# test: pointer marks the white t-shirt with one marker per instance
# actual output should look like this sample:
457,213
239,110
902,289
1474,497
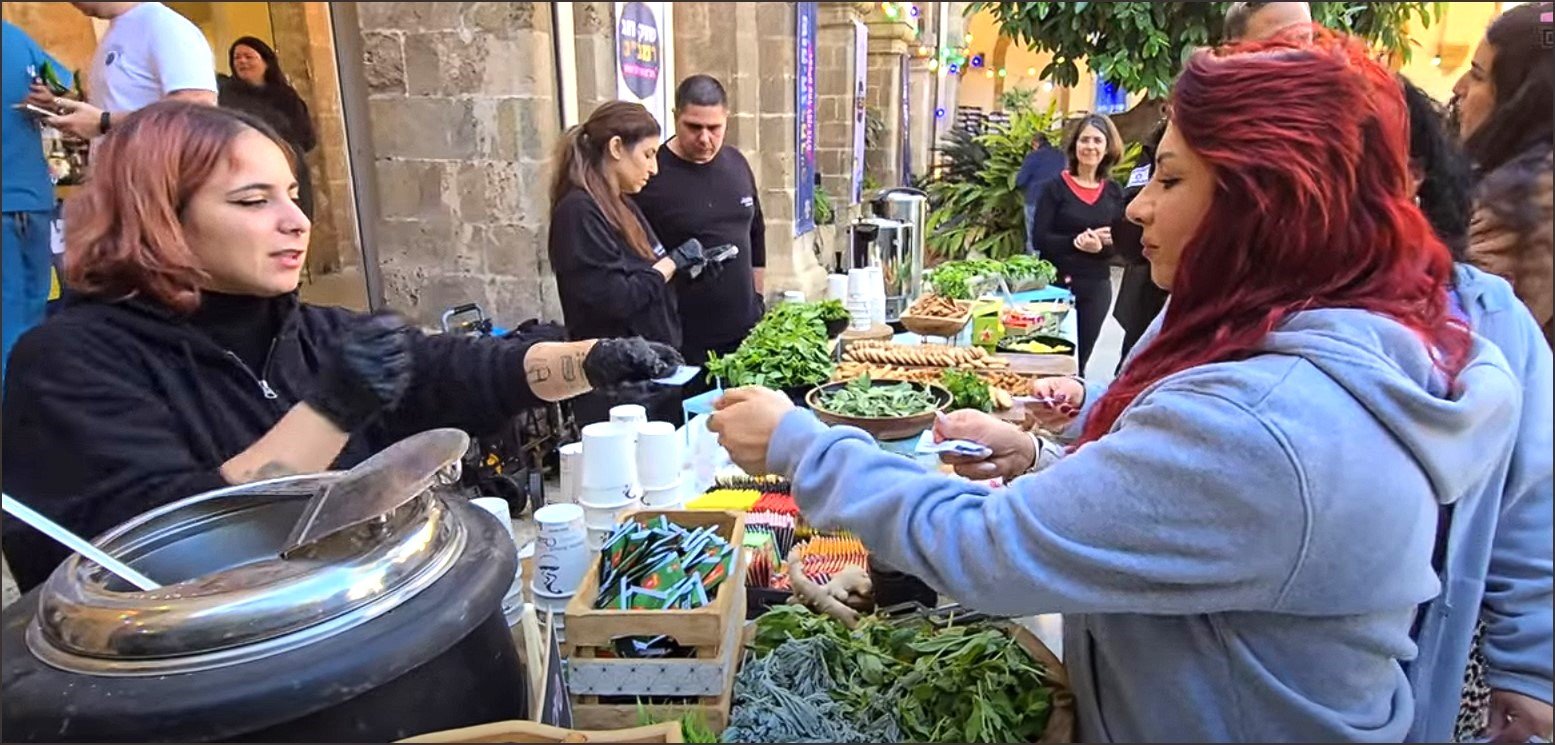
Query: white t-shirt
147,53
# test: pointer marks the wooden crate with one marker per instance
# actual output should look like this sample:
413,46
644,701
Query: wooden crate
703,682
590,631
657,678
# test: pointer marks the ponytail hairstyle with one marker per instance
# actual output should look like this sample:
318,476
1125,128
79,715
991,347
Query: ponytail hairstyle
1313,208
580,164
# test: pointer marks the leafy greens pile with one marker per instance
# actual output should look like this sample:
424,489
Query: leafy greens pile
861,397
968,391
811,679
786,349
956,279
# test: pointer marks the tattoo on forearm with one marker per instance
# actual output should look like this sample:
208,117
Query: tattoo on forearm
570,368
539,372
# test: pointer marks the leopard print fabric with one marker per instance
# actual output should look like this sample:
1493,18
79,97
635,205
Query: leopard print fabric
1474,712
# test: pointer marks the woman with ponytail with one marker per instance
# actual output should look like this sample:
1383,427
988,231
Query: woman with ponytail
611,271
1242,537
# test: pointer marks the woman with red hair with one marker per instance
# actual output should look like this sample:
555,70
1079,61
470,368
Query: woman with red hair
1241,540
184,362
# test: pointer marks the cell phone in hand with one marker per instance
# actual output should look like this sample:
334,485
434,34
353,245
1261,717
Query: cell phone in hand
722,253
36,110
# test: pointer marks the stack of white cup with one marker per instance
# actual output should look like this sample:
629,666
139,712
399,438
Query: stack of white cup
630,416
610,485
659,464
571,457
500,509
562,557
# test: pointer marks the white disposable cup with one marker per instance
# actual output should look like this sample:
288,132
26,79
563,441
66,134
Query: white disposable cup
571,456
559,520
608,515
658,455
498,507
669,496
598,536
631,415
609,457
560,564
837,287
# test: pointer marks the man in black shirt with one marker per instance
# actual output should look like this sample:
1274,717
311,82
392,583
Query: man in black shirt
706,190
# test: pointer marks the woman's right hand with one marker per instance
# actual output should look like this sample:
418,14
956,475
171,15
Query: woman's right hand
1014,451
1054,403
1090,242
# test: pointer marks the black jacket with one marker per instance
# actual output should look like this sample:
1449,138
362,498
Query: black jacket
112,409
607,290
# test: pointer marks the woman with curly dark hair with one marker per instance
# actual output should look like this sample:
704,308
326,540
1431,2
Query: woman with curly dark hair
1504,106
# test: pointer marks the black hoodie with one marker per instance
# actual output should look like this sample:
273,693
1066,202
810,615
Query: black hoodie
112,409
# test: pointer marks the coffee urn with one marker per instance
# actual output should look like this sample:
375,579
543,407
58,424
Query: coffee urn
911,207
875,241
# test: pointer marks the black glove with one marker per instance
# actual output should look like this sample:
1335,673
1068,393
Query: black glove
717,259
368,372
613,361
689,259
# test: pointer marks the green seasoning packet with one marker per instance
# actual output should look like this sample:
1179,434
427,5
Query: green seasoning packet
665,575
644,599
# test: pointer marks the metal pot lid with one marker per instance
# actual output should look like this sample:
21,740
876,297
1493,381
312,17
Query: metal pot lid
229,596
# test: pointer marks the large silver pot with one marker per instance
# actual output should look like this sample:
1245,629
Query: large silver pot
240,642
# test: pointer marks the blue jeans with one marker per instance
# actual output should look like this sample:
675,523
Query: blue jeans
25,274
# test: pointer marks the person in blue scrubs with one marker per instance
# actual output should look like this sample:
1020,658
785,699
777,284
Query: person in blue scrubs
27,197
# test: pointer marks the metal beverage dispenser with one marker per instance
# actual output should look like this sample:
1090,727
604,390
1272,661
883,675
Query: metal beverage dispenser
875,241
903,265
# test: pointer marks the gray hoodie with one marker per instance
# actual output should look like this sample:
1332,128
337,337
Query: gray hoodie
1239,559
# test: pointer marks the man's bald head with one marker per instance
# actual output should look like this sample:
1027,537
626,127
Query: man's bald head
1258,21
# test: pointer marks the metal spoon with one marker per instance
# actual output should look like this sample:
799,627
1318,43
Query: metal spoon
75,543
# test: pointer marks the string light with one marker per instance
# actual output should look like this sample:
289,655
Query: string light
1048,87
1436,61
977,60
933,65
988,73
969,38
939,113
1031,71
912,11
1001,72
954,69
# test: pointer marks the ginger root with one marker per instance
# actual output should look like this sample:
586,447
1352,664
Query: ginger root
846,597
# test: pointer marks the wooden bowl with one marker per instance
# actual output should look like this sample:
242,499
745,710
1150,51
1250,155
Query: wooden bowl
882,428
938,326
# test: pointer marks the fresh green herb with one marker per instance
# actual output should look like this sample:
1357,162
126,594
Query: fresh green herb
967,390
832,310
693,724
957,279
958,684
1023,267
786,349
862,398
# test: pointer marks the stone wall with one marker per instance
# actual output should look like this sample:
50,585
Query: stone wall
594,43
305,45
888,48
62,31
463,112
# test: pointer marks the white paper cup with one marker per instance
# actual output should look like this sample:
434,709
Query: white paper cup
631,415
658,455
837,287
607,516
659,499
609,457
499,507
559,519
598,536
571,456
560,563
